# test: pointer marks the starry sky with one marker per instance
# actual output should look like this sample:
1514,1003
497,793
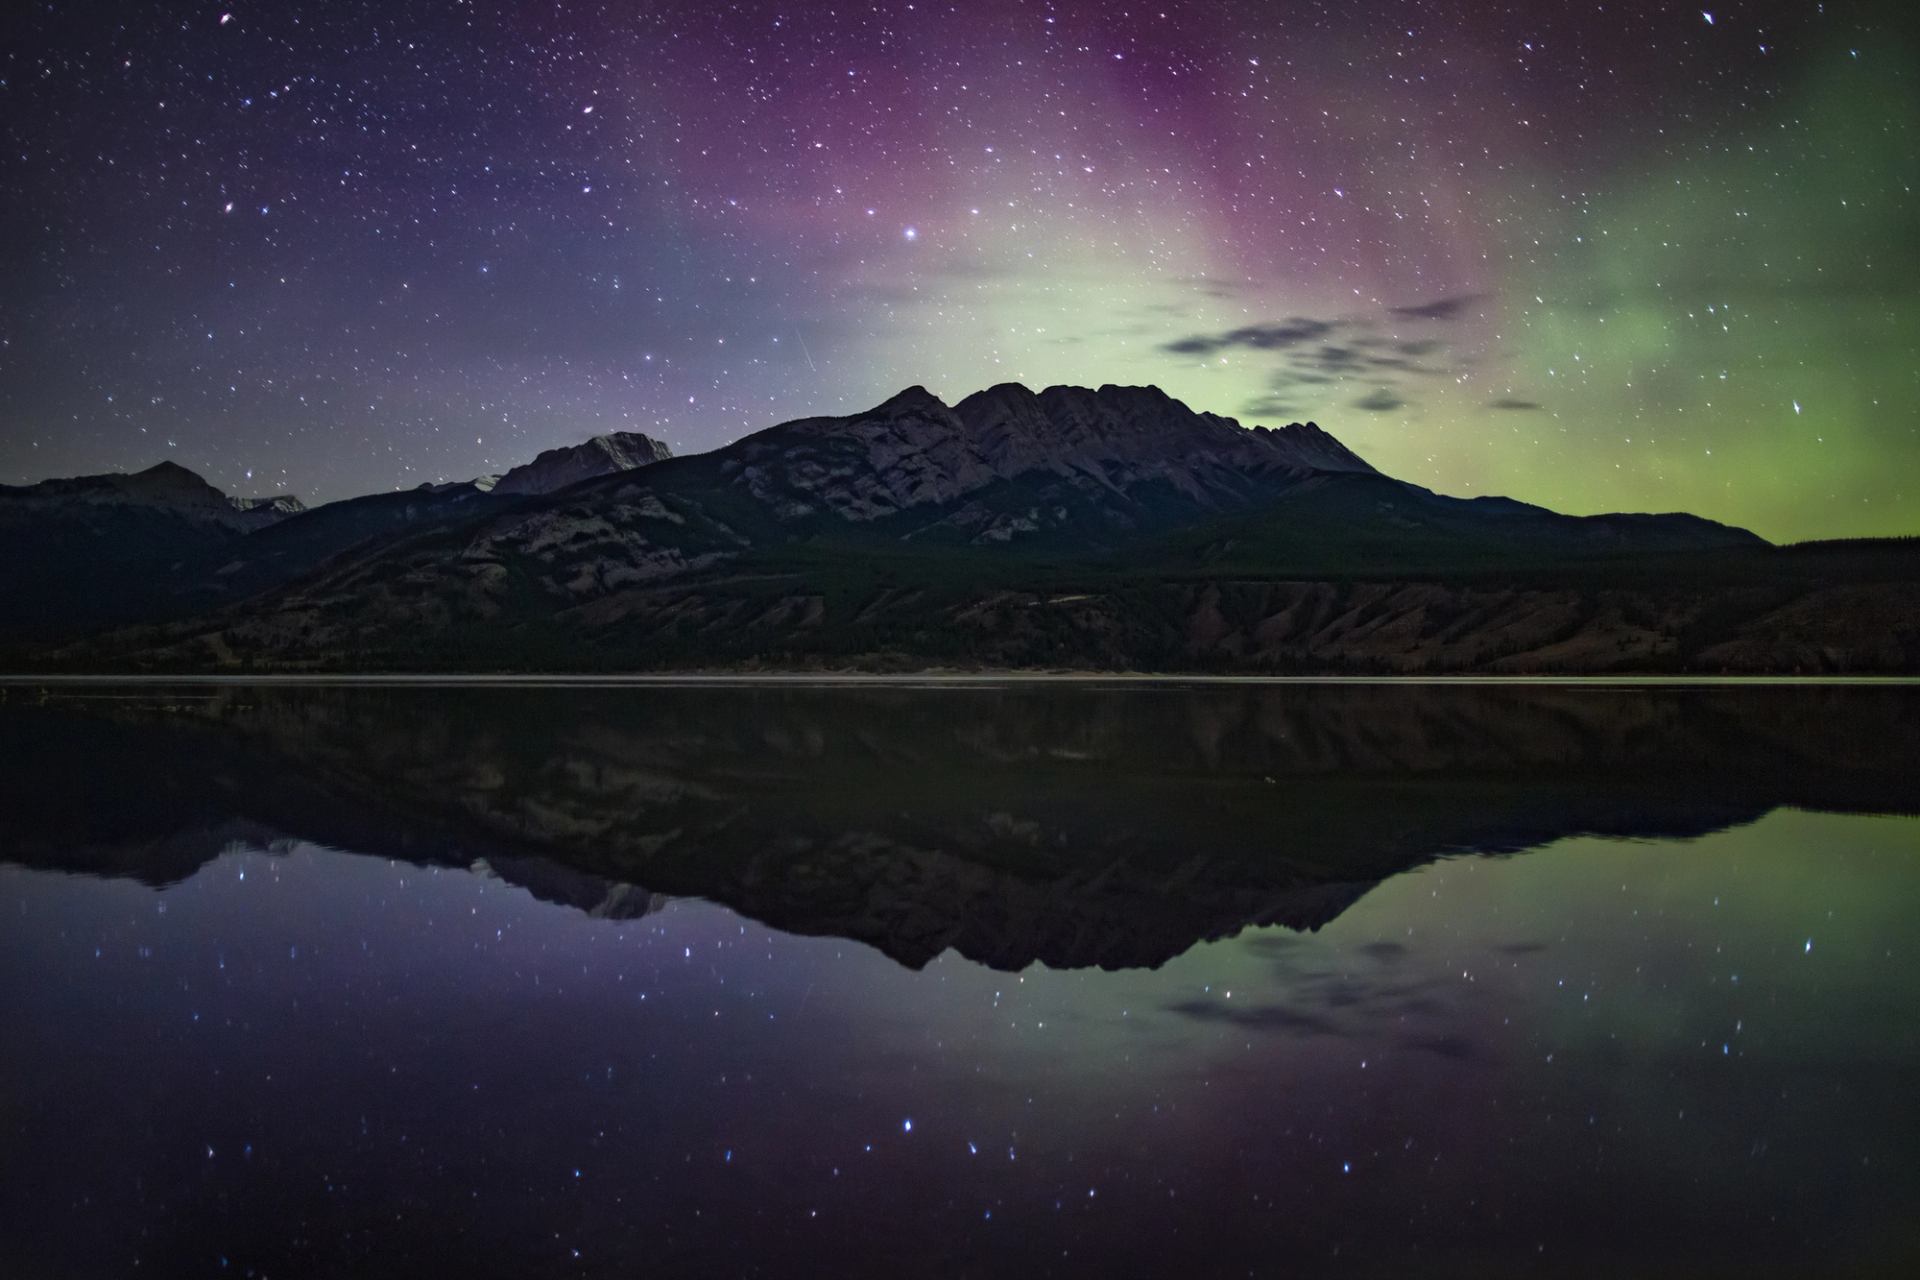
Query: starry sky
1603,256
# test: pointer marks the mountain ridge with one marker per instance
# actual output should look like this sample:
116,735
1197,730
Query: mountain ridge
164,485
1079,527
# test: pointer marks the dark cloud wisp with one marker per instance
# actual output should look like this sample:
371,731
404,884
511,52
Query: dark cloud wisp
1440,308
1276,336
1316,358
1380,400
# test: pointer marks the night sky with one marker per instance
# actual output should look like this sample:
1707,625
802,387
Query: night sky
1596,255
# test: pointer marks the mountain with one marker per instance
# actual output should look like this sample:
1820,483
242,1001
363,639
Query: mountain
1067,471
89,552
556,469
1077,470
93,551
1109,528
1006,464
99,550
970,492
159,544
166,487
292,548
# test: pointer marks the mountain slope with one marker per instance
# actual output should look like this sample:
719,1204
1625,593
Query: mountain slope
100,550
921,532
1108,529
288,550
1067,470
97,551
87,552
1347,523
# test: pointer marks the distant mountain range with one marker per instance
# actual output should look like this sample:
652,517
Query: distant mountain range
1109,528
166,486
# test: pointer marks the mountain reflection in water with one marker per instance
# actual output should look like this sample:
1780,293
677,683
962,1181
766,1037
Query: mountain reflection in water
298,1015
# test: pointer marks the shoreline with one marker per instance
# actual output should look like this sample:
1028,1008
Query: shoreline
858,679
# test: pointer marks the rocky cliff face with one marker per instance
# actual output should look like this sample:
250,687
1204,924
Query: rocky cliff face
1123,435
556,469
1007,463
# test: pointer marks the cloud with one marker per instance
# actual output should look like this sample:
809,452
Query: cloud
1318,361
1505,402
1275,336
1269,407
1398,354
1332,358
1439,308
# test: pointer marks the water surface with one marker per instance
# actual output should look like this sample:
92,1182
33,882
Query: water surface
982,980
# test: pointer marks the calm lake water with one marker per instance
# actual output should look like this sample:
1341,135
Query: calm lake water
1034,979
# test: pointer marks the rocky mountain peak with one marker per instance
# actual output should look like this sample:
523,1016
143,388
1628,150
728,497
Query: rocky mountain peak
1108,462
914,399
1079,426
602,455
1316,447
166,483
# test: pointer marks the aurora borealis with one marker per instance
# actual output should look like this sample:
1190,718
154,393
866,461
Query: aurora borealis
1623,256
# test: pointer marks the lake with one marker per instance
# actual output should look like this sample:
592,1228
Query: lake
984,978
